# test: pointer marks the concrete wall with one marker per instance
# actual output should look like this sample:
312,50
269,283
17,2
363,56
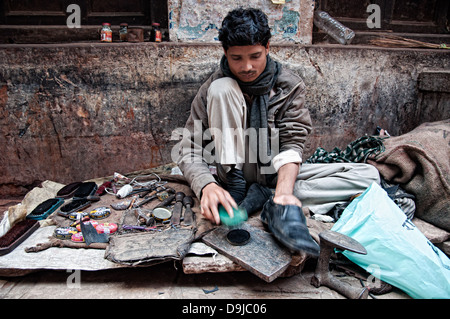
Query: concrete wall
79,111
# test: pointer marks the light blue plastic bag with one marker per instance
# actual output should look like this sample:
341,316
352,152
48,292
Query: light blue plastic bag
397,252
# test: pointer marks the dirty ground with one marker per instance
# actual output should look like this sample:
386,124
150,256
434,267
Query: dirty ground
168,281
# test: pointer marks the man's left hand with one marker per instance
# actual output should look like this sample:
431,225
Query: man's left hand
287,175
286,199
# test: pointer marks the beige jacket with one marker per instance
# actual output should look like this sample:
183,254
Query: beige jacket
286,112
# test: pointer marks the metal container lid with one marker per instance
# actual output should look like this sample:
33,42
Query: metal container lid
238,237
162,213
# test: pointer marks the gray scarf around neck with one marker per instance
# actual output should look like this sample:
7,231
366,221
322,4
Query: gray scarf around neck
259,90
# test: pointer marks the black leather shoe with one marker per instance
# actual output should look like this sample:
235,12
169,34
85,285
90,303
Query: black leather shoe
288,224
256,196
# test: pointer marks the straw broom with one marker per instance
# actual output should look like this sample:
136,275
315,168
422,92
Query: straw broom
390,41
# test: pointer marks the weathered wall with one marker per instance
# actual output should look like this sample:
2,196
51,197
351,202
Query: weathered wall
353,89
78,111
199,20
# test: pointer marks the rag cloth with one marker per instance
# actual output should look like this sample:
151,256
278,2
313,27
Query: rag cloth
357,151
419,162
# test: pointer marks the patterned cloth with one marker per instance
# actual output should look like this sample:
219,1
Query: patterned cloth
357,151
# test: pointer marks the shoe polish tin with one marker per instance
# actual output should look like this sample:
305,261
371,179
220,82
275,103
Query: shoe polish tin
162,213
238,237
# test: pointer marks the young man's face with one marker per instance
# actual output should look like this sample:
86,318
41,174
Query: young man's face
247,62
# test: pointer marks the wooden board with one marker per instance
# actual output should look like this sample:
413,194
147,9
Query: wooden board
262,255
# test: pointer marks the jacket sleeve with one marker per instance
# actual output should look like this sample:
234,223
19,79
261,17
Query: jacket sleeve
294,124
193,154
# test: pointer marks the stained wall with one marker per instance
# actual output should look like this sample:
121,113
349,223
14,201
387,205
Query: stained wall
78,111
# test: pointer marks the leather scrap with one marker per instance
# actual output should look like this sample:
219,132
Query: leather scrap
150,248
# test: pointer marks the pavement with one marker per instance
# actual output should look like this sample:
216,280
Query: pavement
167,281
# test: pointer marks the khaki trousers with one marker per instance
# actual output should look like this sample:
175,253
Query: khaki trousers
318,186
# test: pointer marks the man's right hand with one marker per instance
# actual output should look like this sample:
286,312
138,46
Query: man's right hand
212,196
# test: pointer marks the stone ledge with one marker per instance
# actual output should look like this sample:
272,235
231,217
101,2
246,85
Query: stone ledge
434,81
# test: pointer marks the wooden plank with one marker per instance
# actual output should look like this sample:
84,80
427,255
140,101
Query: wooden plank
262,255
201,258
216,264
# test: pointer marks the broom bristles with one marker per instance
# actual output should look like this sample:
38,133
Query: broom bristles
395,41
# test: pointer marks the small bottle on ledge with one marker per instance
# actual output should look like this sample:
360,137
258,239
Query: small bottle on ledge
106,33
155,34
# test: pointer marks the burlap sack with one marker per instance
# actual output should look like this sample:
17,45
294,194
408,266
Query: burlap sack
419,162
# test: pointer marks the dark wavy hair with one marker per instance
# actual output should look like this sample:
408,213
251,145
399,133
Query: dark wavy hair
244,27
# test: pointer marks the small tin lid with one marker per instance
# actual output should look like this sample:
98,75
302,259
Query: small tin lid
64,232
106,228
238,237
77,215
77,237
162,213
100,212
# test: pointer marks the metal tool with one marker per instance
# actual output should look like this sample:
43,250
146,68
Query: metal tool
177,209
147,199
141,191
133,227
91,235
149,221
152,190
166,201
159,193
329,240
166,193
188,214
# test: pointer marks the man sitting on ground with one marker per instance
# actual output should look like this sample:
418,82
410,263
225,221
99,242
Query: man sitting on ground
254,110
